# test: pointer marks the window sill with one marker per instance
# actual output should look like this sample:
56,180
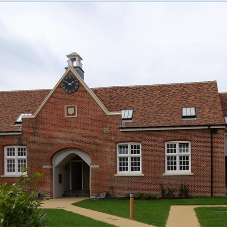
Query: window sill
129,175
16,175
178,174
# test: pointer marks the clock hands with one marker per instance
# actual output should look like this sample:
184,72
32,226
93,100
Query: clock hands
68,82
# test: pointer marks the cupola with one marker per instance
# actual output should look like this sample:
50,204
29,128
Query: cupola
74,60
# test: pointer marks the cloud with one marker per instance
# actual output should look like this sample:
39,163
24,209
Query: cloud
23,66
122,43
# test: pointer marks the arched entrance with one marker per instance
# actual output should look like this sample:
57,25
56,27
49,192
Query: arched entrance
71,171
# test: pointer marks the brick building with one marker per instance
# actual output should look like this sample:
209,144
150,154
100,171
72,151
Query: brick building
129,137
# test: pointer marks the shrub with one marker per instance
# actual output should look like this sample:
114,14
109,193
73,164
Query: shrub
18,207
184,191
140,195
147,196
154,196
171,192
127,196
163,191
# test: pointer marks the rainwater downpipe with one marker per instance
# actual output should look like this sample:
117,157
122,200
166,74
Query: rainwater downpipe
212,131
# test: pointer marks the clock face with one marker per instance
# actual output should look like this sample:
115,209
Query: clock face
70,84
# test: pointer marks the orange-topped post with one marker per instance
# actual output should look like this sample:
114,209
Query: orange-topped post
131,205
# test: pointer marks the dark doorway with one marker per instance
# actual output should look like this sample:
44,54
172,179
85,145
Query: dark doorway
76,175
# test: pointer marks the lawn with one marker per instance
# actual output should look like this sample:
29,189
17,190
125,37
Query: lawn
154,212
62,218
212,216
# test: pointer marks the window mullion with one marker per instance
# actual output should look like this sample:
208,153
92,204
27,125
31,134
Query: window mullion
177,154
129,157
16,159
190,151
16,165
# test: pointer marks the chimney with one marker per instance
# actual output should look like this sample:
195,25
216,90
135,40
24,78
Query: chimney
74,60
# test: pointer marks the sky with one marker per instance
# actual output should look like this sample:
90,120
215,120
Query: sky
121,43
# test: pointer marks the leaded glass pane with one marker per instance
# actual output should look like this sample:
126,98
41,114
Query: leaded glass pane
135,163
11,165
184,162
135,149
22,151
21,164
171,163
184,148
193,111
123,164
123,149
10,151
171,148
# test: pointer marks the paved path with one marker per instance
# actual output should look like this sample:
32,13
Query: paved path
65,203
179,216
184,216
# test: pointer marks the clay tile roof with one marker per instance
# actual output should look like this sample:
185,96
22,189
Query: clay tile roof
153,105
223,99
13,103
161,105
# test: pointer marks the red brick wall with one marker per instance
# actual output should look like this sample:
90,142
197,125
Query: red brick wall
51,132
153,164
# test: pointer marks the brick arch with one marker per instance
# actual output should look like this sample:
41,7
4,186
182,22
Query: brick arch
60,157
58,149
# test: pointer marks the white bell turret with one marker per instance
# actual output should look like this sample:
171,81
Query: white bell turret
74,60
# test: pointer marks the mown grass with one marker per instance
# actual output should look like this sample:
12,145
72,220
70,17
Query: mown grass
62,218
154,212
208,217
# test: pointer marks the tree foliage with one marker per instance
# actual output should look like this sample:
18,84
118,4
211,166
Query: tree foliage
19,207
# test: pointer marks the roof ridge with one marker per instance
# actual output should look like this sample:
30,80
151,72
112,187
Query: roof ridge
28,90
147,85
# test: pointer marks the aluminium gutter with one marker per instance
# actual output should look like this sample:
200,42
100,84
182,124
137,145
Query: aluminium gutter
170,128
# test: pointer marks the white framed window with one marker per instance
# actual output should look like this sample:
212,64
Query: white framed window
129,158
178,157
188,112
15,159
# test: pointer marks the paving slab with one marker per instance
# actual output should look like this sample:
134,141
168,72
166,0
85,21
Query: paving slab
66,204
182,216
185,216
